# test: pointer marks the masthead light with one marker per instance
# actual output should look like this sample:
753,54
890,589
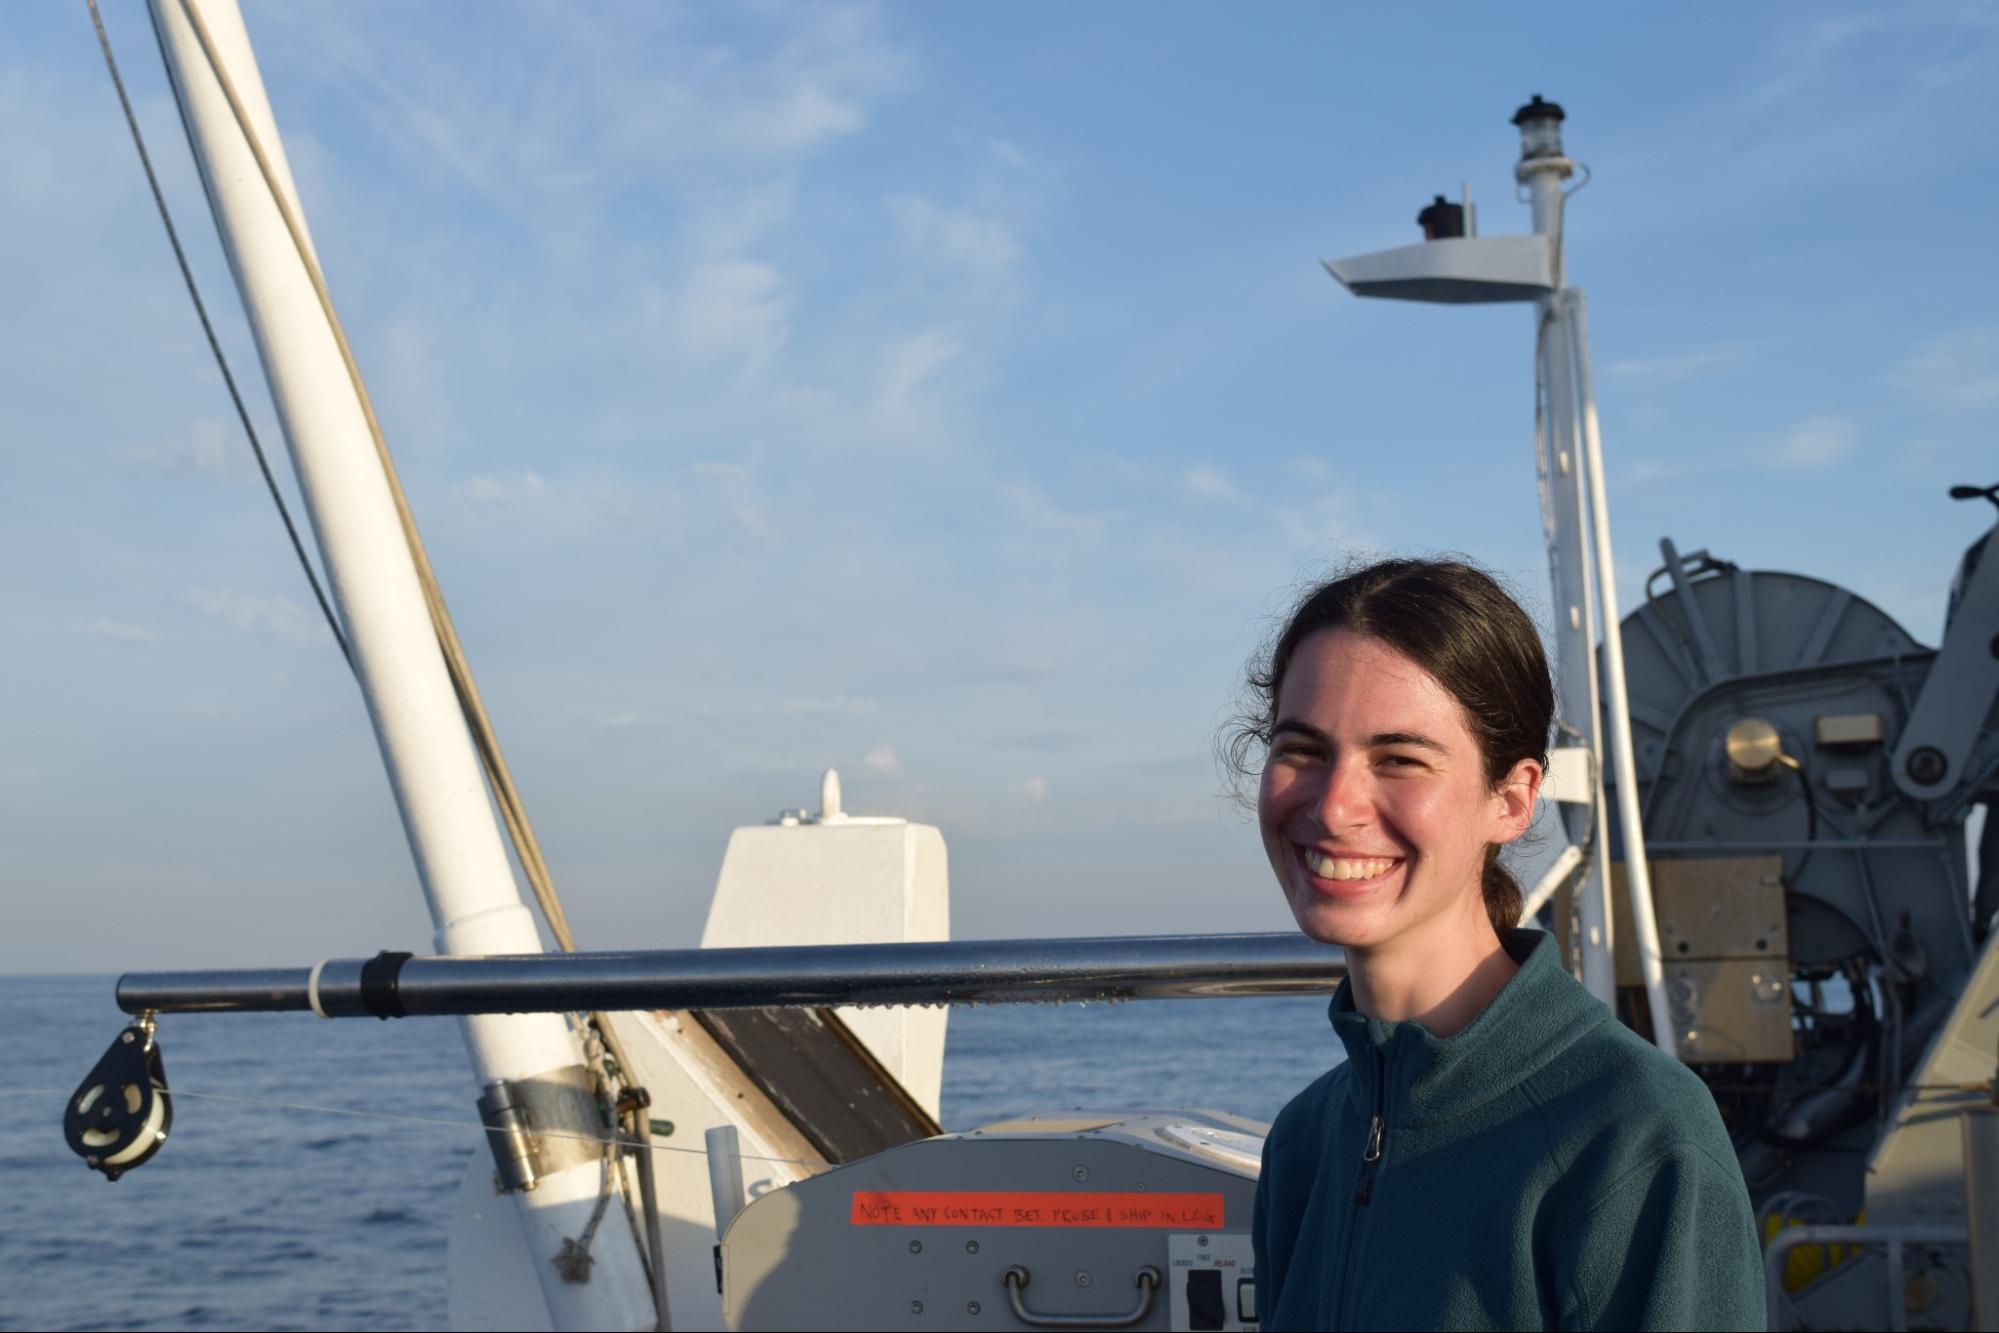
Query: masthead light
1540,126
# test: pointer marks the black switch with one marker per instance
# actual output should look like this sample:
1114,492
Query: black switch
1204,1298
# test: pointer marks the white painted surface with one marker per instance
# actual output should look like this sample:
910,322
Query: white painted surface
1550,882
845,880
1565,517
1571,776
1453,271
1630,820
489,1274
698,1096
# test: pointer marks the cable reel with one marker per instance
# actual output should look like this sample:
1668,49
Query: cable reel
119,1116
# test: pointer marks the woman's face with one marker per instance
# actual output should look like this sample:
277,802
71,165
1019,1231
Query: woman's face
1374,804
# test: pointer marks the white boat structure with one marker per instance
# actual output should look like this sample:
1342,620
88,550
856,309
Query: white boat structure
1839,990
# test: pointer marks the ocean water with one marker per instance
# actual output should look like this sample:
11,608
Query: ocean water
270,1209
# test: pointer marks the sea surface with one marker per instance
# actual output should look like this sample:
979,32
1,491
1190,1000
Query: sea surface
313,1167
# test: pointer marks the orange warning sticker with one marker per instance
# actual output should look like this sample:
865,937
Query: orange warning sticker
1028,1208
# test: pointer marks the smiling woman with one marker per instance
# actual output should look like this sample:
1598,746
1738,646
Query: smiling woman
1497,1151
1476,709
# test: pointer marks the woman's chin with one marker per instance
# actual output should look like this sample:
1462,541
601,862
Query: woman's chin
1350,925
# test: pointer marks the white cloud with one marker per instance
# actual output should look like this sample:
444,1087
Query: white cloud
1048,524
837,705
1007,151
733,309
882,759
278,616
504,490
1208,483
623,721
1815,443
1958,370
210,449
801,117
726,220
118,630
1306,521
978,243
1034,789
1814,54
916,367
1675,368
739,497
1641,471
1315,470
660,96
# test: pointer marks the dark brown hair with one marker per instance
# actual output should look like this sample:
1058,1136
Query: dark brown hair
1453,620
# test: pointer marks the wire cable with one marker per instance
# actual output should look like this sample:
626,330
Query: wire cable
512,810
433,1122
214,344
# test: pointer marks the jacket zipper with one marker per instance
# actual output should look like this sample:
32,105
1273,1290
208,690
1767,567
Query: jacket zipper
1371,1153
1370,1160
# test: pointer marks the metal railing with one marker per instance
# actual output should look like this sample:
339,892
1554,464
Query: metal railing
1894,1237
934,972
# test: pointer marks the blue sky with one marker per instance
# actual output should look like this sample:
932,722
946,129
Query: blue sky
945,393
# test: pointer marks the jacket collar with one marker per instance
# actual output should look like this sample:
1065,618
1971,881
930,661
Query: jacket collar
1536,1016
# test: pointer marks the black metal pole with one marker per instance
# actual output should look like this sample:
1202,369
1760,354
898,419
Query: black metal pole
941,972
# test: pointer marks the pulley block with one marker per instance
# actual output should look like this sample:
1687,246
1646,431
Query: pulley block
119,1116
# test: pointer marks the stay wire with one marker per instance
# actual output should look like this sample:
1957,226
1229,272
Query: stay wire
506,793
214,344
513,811
433,1122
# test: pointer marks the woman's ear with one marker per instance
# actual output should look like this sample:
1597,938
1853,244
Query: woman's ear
1516,794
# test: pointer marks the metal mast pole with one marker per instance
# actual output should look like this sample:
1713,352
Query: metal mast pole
1582,512
433,770
1630,817
1565,511
1453,268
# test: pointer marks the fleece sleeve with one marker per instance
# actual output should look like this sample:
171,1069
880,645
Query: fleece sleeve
1670,1245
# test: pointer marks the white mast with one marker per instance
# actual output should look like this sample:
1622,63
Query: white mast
1454,267
1566,513
433,769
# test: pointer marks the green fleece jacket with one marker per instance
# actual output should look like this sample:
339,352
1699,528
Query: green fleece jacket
1544,1168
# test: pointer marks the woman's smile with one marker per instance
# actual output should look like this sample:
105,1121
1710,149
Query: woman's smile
1344,872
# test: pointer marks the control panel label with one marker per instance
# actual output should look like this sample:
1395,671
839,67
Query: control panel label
1034,1208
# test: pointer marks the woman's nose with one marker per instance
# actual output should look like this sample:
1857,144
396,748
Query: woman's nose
1345,801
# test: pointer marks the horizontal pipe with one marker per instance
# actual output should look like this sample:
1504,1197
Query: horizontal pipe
1765,845
1152,967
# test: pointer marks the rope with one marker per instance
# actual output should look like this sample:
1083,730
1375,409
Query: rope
573,1262
513,811
500,780
432,1122
214,345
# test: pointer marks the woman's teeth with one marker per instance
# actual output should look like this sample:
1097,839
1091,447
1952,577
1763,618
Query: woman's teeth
1341,867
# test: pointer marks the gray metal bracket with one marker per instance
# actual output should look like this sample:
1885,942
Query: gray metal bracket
1930,758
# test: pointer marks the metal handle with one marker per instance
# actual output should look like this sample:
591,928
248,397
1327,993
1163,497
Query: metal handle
1016,1279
